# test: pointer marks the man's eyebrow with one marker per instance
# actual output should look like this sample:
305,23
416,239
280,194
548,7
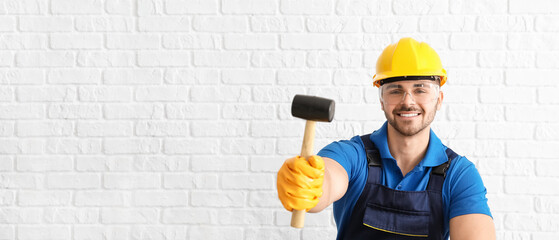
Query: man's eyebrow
394,86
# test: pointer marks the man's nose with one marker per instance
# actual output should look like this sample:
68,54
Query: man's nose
408,99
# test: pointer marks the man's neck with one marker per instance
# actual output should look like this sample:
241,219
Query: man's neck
408,150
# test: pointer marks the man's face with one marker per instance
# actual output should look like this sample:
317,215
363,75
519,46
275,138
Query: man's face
410,106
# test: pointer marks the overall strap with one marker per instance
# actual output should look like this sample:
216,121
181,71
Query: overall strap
373,160
438,174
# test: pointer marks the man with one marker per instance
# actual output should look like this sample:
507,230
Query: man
400,182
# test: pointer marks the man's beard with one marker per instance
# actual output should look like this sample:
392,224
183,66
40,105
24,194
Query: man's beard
411,130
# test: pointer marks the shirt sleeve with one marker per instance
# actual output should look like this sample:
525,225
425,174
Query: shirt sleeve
467,191
347,153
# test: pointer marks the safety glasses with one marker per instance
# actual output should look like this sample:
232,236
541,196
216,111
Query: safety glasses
420,92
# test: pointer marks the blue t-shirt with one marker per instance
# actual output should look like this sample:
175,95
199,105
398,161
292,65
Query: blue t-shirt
463,190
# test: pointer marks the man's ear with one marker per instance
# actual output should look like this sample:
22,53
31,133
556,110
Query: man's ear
440,100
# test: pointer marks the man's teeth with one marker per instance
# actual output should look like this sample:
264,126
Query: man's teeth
409,114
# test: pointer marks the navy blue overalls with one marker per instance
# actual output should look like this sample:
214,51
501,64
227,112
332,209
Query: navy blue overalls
384,213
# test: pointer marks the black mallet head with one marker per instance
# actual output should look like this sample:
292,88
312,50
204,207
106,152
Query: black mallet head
313,108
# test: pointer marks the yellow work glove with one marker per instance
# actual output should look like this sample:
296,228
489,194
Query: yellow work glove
300,182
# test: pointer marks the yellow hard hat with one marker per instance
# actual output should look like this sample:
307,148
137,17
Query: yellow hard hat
408,58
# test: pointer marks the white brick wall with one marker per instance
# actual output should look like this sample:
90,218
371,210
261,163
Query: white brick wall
168,119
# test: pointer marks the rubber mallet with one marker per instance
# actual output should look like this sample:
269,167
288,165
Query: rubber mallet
313,109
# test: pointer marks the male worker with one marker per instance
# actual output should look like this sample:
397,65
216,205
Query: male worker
400,182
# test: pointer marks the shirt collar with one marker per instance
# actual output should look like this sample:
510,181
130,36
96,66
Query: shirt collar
434,156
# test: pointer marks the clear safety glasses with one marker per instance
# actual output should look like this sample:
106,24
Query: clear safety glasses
420,92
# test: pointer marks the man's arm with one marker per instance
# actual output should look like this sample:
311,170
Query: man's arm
472,227
334,185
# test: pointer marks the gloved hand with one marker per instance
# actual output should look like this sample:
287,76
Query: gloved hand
300,182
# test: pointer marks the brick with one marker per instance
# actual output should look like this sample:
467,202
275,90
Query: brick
104,23
44,163
334,25
275,94
537,6
192,111
459,59
226,24
284,59
24,7
531,41
75,111
73,146
390,24
105,59
247,181
123,7
131,181
45,59
93,232
528,113
334,60
489,148
225,233
545,23
340,94
7,24
244,217
163,59
545,204
46,94
159,232
25,146
220,94
219,128
510,203
277,24
131,146
191,7
7,198
44,232
247,146
46,24
104,129
159,198
446,24
23,41
363,7
478,77
454,130
7,232
163,24
264,199
76,7
21,181
250,111
162,128
7,94
411,7
133,41
71,216
352,78
310,41
253,77
527,149
188,216
128,216
73,181
44,198
547,167
519,167
507,95
271,129
199,146
7,59
547,60
318,233
221,199
20,216
364,42
74,76
76,41
105,94
133,76
505,131
161,164
307,77
249,6
6,165
311,7
221,59
271,164
191,181
477,42
531,223
219,164
547,131
150,7
162,94
104,163
356,112
179,76
101,198
478,6
507,59
192,41
504,23
22,111
256,42
538,78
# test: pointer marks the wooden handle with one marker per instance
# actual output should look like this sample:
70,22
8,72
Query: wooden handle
298,216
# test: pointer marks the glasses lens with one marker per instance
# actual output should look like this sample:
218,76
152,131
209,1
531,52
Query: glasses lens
420,92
